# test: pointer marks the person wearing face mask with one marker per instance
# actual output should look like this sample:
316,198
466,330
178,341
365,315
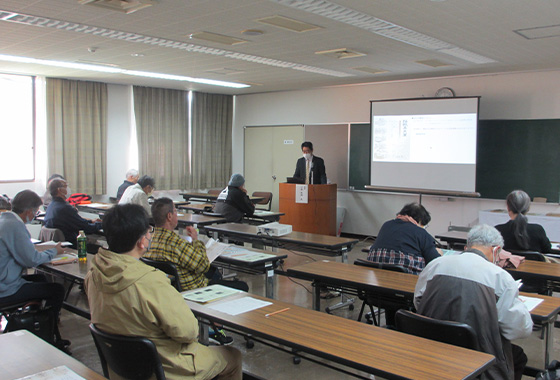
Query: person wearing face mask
310,168
138,193
469,288
60,214
233,202
404,241
47,198
17,253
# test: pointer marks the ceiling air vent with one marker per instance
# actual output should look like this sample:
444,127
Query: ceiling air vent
341,53
126,6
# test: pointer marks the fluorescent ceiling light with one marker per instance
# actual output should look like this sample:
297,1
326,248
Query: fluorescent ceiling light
218,38
539,32
44,22
381,27
113,70
289,24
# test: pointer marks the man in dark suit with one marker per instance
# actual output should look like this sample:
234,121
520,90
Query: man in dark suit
311,165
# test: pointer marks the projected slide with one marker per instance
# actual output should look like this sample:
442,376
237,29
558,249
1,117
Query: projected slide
427,143
425,138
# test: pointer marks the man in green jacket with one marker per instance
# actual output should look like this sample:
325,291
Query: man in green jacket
127,297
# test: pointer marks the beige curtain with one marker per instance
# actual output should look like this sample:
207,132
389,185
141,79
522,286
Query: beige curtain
77,133
212,117
163,138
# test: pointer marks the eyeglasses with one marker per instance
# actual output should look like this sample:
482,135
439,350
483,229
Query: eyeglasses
151,230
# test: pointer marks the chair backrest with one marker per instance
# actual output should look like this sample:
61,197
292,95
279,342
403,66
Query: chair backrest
371,264
167,268
529,255
266,201
214,192
450,332
51,234
133,358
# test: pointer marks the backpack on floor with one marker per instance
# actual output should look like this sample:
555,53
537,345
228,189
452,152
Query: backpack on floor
552,372
35,319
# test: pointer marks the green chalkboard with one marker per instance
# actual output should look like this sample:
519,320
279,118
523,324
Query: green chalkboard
518,154
360,156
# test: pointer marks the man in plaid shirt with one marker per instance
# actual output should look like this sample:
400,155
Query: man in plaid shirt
189,256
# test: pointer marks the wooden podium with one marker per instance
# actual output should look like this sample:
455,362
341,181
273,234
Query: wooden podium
317,216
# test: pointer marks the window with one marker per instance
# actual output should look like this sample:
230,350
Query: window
17,129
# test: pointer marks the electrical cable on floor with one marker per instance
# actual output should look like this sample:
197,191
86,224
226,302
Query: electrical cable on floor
295,282
301,254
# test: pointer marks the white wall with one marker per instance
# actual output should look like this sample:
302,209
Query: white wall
118,137
503,96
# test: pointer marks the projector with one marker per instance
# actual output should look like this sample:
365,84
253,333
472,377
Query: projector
274,229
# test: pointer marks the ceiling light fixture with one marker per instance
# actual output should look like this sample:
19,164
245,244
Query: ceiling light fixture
381,27
44,22
114,70
252,32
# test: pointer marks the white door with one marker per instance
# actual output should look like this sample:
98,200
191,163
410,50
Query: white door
270,157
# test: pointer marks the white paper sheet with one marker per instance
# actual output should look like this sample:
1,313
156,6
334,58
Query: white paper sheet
215,249
242,254
530,302
57,373
209,293
53,243
239,306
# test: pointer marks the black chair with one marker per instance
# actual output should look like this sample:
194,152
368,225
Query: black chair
267,200
133,358
373,300
450,332
167,268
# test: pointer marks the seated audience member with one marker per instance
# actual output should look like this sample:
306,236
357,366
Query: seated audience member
138,193
47,198
131,179
189,256
469,288
5,204
60,214
404,241
518,234
233,202
17,253
128,297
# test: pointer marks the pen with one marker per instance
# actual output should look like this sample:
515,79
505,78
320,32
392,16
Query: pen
277,311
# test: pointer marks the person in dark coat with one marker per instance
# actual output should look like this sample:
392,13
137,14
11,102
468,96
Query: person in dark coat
233,202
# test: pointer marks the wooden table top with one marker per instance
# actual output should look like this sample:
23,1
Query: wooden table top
197,207
213,197
303,238
538,269
383,352
198,219
404,283
23,354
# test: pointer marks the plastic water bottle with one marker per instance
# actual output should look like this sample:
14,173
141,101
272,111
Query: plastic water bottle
82,247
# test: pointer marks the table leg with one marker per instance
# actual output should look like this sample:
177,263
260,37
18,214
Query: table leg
317,297
344,255
269,284
203,333
548,341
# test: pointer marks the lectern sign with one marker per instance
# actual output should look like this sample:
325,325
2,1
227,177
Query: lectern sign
302,193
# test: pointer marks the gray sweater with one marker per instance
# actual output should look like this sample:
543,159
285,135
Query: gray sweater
17,253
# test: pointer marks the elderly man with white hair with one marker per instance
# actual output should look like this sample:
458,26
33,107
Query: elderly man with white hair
131,178
469,288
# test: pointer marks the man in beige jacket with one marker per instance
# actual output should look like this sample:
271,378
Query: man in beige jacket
127,297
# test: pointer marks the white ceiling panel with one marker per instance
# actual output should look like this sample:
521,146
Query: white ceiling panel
482,27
